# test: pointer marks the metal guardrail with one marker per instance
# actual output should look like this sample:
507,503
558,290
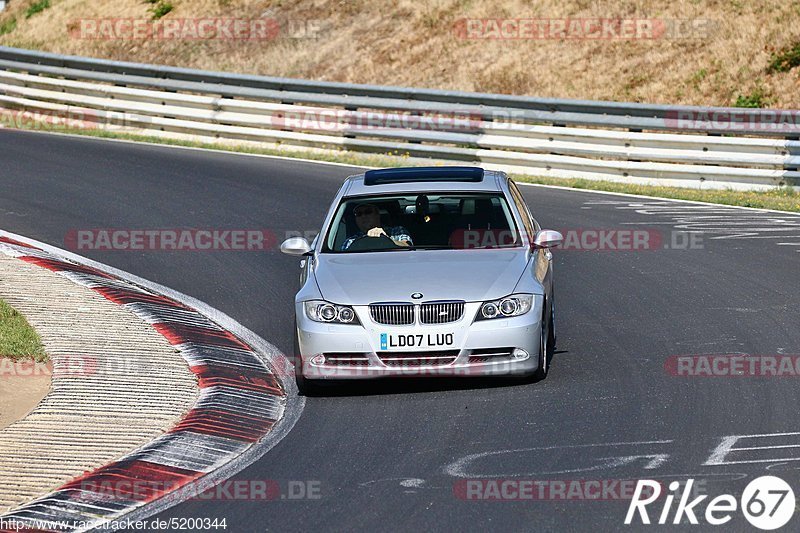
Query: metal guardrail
535,135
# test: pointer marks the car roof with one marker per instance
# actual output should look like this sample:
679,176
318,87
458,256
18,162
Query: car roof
415,180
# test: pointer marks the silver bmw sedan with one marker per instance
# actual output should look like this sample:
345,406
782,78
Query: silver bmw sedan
439,271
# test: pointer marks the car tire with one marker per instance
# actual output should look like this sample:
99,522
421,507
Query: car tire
553,332
304,388
546,346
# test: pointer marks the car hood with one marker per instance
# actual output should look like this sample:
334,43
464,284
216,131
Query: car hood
473,275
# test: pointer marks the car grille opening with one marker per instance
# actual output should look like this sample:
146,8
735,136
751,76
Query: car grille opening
488,355
346,359
408,359
403,314
441,312
400,314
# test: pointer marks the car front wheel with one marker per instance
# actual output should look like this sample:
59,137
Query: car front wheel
546,345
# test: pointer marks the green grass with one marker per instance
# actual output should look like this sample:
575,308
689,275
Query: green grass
36,7
160,9
18,340
779,198
756,99
698,77
8,26
785,60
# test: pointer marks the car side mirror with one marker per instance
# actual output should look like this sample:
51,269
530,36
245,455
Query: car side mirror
295,246
548,238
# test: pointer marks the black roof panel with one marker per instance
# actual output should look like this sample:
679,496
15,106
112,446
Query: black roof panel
420,174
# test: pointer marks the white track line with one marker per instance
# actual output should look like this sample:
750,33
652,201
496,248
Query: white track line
661,198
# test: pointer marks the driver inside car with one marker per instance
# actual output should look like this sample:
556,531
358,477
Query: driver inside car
368,220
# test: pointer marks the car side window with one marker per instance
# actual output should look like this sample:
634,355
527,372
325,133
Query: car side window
523,209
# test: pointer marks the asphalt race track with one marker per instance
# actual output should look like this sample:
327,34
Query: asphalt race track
395,455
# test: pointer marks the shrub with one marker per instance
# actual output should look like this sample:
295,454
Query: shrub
36,7
160,9
785,60
755,99
8,26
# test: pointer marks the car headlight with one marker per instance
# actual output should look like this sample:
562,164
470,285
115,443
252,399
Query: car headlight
322,311
514,305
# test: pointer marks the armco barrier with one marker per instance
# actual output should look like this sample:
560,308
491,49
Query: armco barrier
691,146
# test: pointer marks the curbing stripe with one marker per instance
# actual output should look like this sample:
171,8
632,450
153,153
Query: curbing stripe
188,450
241,401
94,345
154,313
57,266
9,240
90,280
179,334
216,375
126,296
210,355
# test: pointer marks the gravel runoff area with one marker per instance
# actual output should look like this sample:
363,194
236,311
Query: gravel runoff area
116,384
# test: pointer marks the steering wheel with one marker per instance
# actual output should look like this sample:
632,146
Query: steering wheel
365,242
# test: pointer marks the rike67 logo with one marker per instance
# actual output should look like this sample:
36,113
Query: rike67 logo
767,503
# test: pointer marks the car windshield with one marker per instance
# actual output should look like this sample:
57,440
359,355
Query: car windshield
429,221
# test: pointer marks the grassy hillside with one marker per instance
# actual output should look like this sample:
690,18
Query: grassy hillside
725,52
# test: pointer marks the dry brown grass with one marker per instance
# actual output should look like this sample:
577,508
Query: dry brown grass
413,42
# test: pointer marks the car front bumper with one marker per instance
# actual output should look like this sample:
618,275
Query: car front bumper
504,346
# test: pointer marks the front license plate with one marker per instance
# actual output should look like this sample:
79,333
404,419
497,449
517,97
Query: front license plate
420,341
